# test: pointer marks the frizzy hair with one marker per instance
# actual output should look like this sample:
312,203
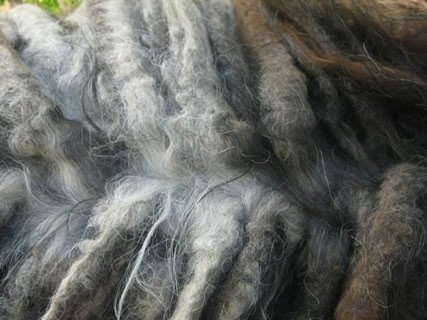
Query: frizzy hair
214,159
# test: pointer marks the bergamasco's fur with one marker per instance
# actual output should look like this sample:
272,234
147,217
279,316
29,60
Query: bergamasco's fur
214,159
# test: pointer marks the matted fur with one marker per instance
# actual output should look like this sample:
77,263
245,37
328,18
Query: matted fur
214,159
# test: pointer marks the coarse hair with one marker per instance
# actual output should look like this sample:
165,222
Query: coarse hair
214,159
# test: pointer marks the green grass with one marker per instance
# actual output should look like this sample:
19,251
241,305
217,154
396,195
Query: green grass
52,6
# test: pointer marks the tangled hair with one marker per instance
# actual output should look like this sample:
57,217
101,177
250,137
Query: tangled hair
214,159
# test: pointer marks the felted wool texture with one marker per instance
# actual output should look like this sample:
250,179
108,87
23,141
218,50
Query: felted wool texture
214,159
